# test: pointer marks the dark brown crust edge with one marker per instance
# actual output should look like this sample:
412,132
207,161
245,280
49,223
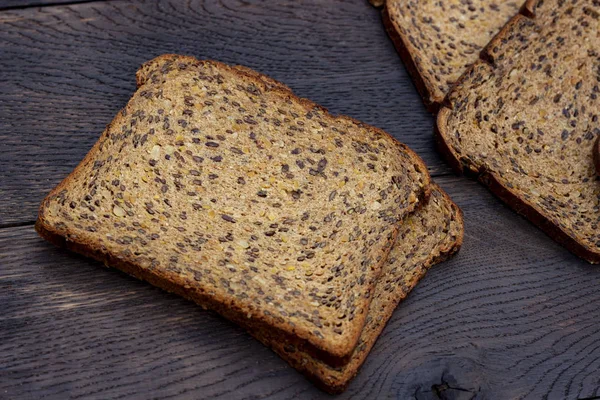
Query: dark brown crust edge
527,10
596,154
461,165
224,307
341,386
431,101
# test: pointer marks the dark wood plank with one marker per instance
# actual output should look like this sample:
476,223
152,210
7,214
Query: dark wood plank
68,70
19,4
513,315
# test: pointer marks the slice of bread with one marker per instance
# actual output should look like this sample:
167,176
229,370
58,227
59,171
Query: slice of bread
438,40
219,184
525,121
429,236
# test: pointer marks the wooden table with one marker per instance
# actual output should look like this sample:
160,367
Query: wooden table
513,315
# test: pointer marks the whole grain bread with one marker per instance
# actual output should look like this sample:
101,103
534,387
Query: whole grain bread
438,40
219,184
525,120
429,236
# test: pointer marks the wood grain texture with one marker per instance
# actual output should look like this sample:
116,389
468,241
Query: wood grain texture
67,70
512,316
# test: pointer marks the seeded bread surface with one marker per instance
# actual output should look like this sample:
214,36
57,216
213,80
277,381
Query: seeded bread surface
438,40
526,119
429,236
219,184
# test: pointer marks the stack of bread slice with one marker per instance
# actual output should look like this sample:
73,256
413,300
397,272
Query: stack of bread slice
219,184
524,119
517,87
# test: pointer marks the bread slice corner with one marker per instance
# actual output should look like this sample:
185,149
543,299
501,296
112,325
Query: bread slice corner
431,235
437,41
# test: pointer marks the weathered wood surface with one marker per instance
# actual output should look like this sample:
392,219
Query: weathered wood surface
67,70
512,316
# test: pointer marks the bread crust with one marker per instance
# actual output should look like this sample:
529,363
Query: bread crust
432,97
596,151
461,165
333,355
528,8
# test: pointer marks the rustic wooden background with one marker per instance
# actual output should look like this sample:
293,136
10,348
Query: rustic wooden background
512,316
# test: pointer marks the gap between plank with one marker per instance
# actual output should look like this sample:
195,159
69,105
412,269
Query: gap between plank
17,224
43,5
444,174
